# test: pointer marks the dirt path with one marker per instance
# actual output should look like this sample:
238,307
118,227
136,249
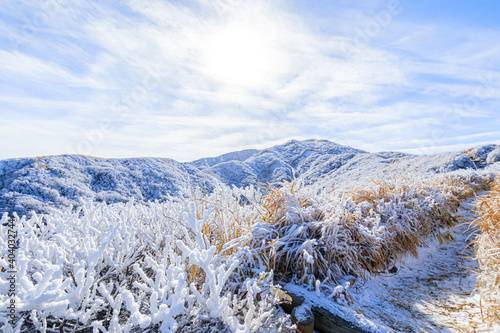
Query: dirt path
428,294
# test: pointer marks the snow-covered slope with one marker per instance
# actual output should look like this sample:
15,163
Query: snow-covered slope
241,155
59,181
351,170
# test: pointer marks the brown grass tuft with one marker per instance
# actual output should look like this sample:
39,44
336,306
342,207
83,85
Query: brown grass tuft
487,252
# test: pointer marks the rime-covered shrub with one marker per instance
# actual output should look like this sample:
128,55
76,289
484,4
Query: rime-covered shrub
480,153
132,267
493,156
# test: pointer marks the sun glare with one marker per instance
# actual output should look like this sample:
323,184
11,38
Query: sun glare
239,56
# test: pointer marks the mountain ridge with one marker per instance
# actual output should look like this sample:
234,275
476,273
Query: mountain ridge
42,183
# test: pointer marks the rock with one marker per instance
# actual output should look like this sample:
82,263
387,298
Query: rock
324,320
303,317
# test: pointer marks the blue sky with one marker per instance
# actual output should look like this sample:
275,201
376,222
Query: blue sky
188,79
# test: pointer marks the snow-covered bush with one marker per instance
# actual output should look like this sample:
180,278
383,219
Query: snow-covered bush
133,267
480,153
493,156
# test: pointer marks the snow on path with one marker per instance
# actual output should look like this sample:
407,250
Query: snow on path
431,293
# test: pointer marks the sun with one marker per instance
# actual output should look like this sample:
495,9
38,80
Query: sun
239,55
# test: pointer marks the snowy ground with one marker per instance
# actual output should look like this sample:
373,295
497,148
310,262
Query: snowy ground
434,293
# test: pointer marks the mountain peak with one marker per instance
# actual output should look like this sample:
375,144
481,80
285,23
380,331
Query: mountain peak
320,146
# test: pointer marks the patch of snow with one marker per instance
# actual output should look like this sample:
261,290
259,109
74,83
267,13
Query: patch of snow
308,258
303,313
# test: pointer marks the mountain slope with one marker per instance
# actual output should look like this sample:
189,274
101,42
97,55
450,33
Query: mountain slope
59,181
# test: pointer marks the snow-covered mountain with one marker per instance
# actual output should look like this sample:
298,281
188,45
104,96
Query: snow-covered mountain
280,163
38,184
58,181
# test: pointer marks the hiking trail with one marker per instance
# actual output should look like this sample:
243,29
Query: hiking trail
431,293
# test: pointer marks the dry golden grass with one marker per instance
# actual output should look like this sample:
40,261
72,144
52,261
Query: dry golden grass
226,221
487,252
362,231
